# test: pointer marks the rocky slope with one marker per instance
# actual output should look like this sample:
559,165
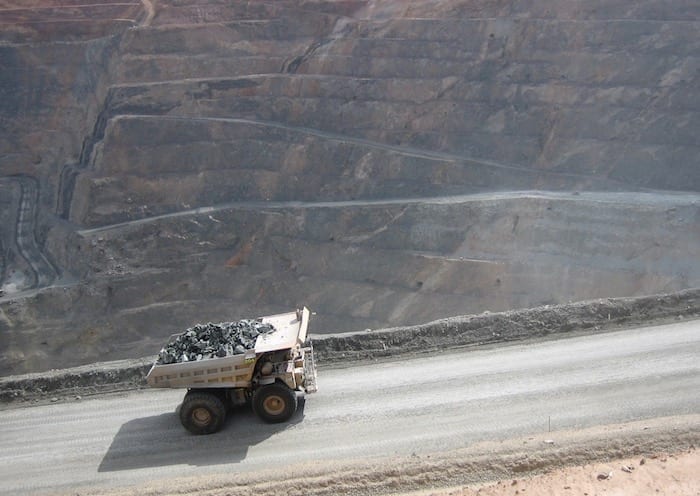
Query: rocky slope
383,162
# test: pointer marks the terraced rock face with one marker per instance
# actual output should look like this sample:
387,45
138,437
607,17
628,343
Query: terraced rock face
385,163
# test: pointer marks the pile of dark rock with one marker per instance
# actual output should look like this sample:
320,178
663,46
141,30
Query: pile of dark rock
205,341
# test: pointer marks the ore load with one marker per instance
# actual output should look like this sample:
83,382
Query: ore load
204,341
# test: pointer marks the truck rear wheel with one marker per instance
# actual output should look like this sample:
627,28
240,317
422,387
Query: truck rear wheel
202,412
275,403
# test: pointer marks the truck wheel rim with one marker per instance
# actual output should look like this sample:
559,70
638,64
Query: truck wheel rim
274,405
201,416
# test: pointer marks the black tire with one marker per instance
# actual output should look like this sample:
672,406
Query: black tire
202,412
275,403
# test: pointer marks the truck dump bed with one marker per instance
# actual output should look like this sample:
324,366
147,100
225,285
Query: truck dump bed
234,371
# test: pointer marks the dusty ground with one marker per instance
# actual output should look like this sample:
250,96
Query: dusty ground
556,463
671,475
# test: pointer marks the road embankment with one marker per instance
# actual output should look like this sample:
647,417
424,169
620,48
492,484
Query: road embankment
453,332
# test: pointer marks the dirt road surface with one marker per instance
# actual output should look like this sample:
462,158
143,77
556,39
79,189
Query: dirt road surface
439,420
670,475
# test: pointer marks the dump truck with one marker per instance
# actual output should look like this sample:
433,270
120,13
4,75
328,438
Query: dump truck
270,376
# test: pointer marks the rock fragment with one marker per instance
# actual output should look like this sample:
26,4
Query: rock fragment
204,341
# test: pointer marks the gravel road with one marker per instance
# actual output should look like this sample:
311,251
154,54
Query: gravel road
425,405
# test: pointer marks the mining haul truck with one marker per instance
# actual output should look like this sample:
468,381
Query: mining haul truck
270,375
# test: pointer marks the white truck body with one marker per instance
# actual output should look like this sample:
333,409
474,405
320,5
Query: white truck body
237,371
281,358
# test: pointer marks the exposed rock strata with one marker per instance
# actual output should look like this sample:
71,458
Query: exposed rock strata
129,117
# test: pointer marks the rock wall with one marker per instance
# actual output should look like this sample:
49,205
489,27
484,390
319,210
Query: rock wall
55,59
386,163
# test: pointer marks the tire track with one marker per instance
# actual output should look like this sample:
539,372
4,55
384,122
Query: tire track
150,13
647,198
43,273
343,138
407,151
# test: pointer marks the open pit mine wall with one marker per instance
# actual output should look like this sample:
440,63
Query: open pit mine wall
54,68
169,162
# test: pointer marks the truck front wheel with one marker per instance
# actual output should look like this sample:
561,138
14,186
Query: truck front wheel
202,412
275,403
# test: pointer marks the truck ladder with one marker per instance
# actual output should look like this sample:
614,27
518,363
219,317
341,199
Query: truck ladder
309,370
